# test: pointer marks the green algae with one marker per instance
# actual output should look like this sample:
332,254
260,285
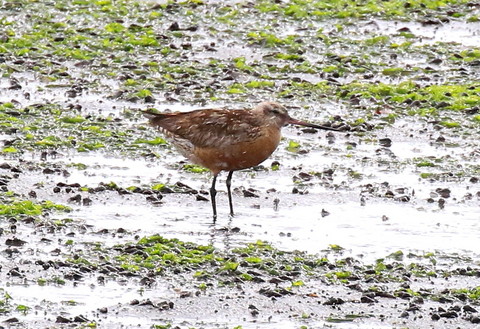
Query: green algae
471,293
16,208
137,42
5,301
7,304
347,8
45,127
194,168
256,261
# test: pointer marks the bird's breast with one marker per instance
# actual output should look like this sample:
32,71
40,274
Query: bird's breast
238,155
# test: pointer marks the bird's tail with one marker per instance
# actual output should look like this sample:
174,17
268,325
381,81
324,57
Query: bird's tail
151,115
154,117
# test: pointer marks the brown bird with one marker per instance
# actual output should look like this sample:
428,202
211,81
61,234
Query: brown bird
228,140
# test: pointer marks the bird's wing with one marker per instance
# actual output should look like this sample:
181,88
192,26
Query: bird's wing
210,127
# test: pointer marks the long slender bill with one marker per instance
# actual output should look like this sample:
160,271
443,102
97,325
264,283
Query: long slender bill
311,125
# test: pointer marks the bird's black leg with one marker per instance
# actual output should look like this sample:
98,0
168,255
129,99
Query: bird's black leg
229,183
213,193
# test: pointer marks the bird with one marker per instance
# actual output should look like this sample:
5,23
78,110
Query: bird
226,139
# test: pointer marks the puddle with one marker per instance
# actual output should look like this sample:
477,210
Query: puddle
467,34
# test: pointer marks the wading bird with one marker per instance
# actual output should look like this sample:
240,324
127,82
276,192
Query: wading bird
226,140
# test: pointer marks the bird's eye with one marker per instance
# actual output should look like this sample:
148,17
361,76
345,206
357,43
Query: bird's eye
275,111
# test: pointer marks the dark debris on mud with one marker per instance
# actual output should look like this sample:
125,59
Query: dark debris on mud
413,288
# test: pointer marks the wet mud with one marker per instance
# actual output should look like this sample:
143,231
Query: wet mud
104,225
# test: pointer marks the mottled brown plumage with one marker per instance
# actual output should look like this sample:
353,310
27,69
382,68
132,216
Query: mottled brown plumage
228,140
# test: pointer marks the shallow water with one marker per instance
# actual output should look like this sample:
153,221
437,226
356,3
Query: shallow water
465,33
414,226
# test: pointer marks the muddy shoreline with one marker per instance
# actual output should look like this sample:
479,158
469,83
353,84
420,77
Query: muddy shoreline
104,225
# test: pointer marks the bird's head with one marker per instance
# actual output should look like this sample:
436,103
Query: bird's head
278,114
274,112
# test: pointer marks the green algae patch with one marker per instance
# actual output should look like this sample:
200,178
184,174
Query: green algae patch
291,272
450,124
29,208
259,84
424,163
9,149
354,9
75,119
155,141
160,254
158,187
293,146
193,168
206,262
46,127
6,304
86,35
255,262
472,293
441,97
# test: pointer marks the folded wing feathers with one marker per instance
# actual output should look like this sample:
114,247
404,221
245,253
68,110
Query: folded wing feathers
208,128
